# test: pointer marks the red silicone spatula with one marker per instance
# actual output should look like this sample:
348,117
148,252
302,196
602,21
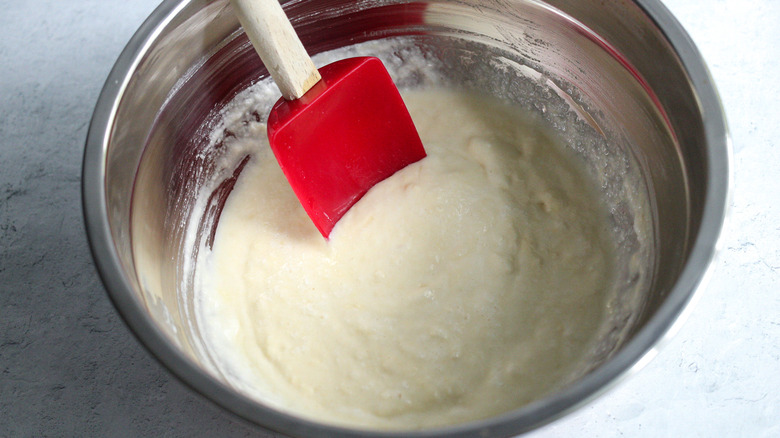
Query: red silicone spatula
336,132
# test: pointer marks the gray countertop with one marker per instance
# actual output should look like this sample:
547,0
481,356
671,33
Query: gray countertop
70,367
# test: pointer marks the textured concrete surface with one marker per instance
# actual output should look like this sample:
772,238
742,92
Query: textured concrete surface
70,367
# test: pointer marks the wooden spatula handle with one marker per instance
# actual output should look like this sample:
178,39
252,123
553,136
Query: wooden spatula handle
278,45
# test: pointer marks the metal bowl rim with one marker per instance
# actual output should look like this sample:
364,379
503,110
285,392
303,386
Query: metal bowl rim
632,356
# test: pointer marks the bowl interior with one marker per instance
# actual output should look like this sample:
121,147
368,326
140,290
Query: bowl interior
603,75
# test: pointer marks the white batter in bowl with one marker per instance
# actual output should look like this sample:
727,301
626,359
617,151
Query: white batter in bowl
462,287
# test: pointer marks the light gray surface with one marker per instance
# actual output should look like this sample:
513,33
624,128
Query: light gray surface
69,366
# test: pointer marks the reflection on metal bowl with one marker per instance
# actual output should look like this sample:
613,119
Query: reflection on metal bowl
620,80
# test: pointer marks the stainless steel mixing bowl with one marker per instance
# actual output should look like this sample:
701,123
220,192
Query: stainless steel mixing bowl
619,79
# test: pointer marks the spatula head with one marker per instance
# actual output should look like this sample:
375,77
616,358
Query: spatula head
349,132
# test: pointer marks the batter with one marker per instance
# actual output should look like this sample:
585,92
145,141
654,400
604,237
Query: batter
464,286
